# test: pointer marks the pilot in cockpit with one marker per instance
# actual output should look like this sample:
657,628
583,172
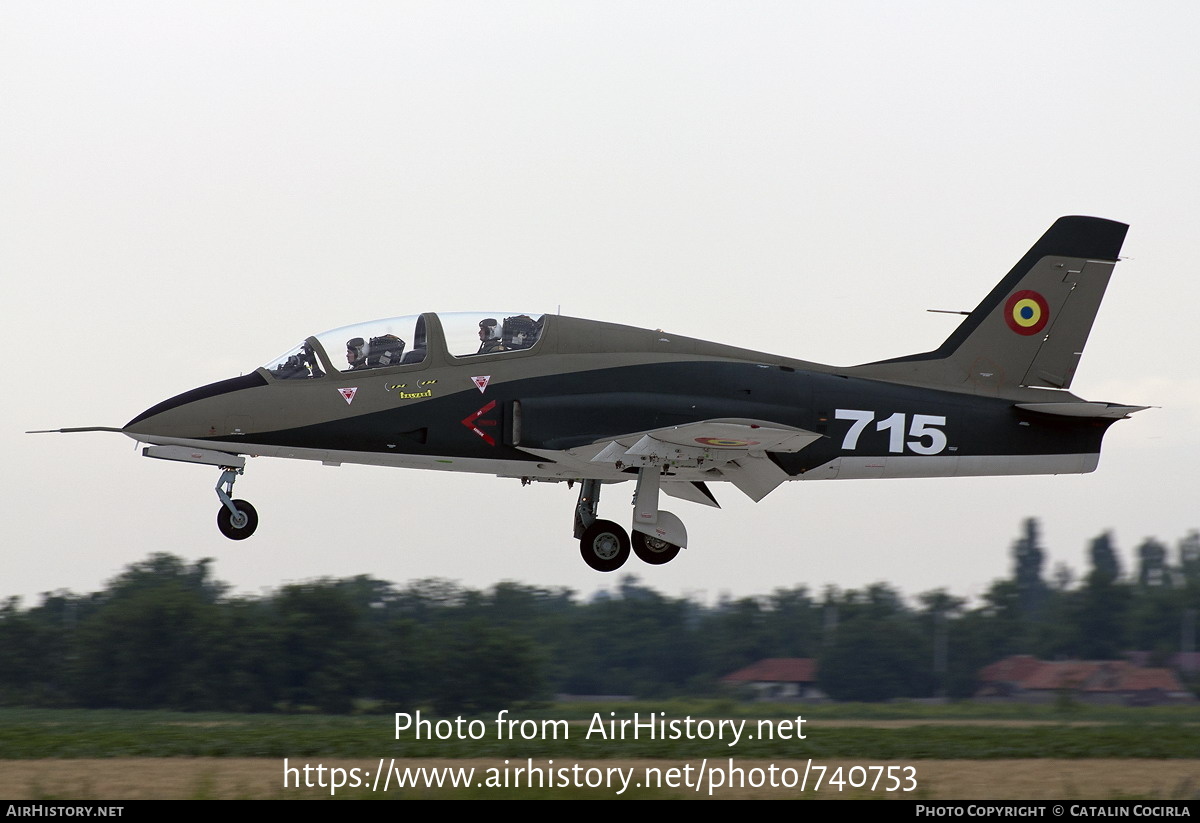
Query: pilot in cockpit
383,350
355,353
489,336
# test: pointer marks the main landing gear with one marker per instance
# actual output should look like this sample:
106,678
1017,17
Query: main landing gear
657,535
652,550
604,546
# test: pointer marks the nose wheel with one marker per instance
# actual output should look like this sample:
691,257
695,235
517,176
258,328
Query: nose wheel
236,519
237,526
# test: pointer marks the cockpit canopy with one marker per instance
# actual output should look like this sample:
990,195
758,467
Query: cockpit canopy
400,341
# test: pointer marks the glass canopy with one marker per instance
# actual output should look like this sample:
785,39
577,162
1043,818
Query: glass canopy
402,341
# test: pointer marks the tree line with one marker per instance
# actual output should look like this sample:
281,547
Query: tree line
165,634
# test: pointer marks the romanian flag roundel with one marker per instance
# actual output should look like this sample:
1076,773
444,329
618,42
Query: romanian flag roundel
1026,312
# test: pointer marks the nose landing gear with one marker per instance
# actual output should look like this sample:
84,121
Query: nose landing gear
237,526
236,519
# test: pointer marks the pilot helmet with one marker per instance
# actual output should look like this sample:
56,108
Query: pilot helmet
489,329
356,346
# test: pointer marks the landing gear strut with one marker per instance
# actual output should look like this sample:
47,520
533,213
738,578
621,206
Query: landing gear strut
236,519
603,544
657,535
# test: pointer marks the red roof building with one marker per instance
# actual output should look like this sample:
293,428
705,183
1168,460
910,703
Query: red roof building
778,678
1025,678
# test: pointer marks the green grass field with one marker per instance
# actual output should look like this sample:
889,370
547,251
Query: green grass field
956,752
891,732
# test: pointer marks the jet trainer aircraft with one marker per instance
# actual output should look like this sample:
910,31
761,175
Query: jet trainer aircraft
553,398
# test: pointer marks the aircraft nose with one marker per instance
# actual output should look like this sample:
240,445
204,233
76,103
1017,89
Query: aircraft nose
195,413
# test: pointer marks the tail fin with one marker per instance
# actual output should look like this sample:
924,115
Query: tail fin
1031,329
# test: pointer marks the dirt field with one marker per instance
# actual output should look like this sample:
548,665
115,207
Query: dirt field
221,778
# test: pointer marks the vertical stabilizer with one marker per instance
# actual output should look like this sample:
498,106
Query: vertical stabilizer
1031,329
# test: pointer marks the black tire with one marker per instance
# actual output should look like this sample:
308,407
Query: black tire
225,521
652,550
604,546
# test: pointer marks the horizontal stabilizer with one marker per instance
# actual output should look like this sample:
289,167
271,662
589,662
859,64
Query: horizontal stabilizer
1082,409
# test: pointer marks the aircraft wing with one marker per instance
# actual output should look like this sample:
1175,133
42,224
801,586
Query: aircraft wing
729,435
695,491
731,449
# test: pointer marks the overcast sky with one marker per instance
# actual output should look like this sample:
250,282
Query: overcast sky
188,189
